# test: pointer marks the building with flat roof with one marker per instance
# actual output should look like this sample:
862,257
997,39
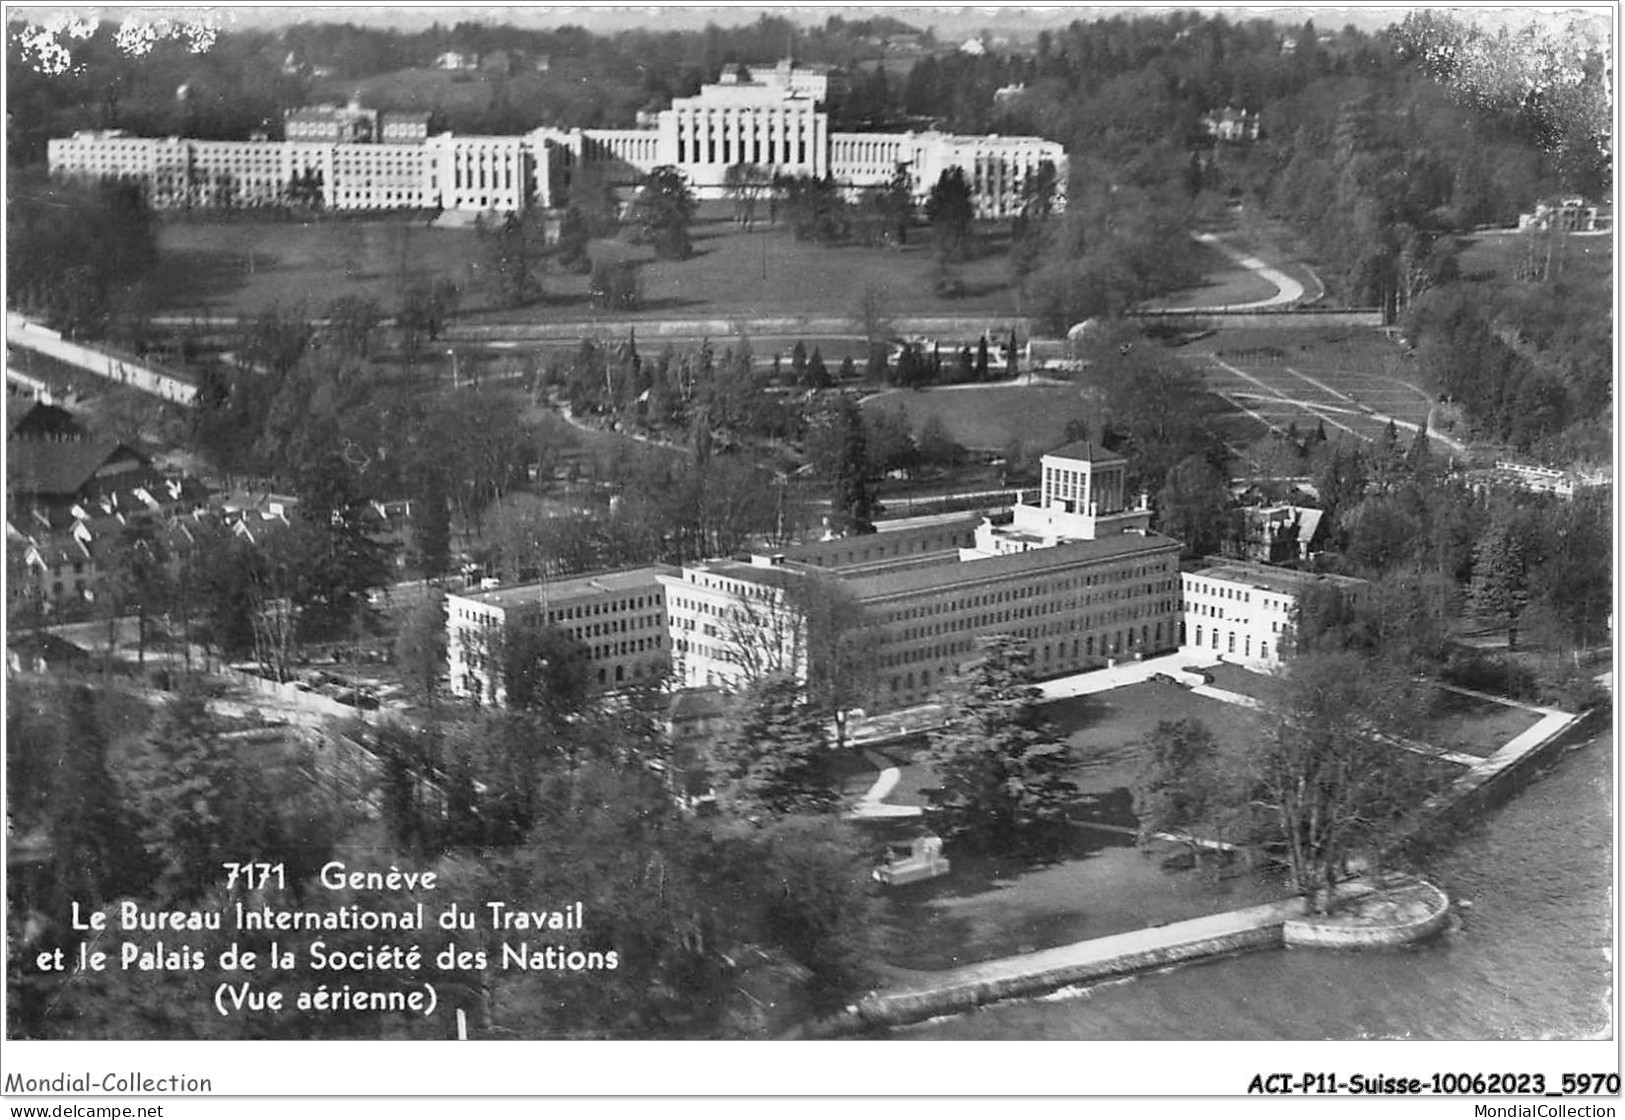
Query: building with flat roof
619,617
1079,577
1244,612
352,158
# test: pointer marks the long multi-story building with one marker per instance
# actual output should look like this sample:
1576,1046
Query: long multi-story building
351,158
619,618
1076,575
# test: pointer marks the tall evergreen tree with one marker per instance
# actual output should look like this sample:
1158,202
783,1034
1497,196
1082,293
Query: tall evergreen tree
772,757
1005,774
837,447
663,211
1501,568
950,209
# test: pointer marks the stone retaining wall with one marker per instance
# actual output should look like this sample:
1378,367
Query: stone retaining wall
901,1008
1335,933
1471,797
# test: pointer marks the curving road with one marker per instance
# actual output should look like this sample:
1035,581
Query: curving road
1287,290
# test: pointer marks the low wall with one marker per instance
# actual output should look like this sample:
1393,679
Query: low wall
1332,933
948,327
1473,795
1267,319
902,1008
122,371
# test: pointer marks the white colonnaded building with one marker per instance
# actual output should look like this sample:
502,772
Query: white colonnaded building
352,158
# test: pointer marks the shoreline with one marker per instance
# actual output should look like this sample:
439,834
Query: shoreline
1392,911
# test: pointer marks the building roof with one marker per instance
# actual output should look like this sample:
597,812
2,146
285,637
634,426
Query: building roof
574,589
1071,554
1086,451
62,468
26,416
1286,581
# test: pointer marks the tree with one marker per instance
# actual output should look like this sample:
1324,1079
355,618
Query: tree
1191,505
836,448
336,556
745,184
815,207
897,204
352,323
950,209
772,756
420,647
1004,773
1333,781
871,315
663,211
571,249
842,648
431,527
424,310
1181,786
615,285
1501,569
193,798
516,254
818,373
138,576
544,669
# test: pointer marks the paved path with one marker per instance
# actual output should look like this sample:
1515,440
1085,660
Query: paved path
1287,290
872,805
1127,673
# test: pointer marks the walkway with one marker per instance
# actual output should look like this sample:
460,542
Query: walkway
1287,290
24,332
872,805
1124,674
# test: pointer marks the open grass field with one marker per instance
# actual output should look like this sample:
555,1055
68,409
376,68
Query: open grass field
1102,883
1224,282
768,272
1351,379
1473,725
1580,257
1456,722
242,266
989,416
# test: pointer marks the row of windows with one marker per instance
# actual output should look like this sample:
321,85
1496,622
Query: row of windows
1110,644
1230,643
1054,587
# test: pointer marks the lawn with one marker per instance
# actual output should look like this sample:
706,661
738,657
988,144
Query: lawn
241,267
1473,725
1456,722
245,264
990,417
1584,258
1224,282
1102,883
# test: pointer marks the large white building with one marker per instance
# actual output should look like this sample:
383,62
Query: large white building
1078,577
1243,612
619,617
357,159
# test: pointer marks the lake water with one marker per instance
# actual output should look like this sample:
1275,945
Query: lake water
1530,959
